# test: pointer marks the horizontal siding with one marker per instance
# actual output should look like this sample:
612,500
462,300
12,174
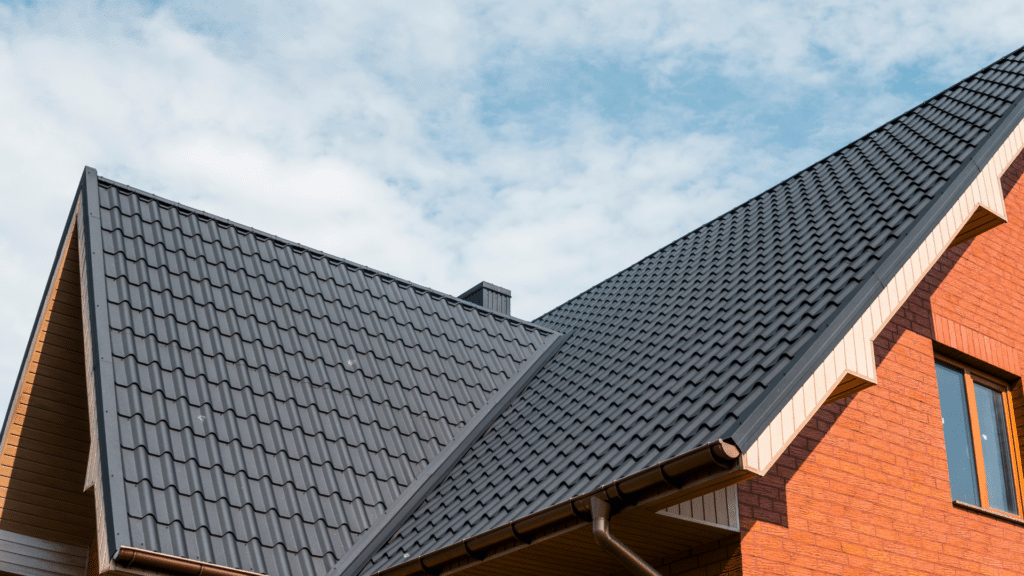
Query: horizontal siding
42,465
27,556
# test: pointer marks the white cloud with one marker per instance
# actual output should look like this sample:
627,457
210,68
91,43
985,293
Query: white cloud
357,128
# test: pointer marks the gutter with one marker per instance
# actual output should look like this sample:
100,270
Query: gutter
713,465
129,557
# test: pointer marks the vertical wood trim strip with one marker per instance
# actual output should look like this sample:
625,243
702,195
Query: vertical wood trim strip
979,462
721,507
1018,467
733,499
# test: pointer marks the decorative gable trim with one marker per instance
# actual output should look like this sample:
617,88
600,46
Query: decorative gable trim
850,366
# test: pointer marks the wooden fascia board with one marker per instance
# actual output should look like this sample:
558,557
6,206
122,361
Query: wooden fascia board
850,366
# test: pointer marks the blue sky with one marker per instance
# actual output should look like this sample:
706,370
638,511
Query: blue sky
540,146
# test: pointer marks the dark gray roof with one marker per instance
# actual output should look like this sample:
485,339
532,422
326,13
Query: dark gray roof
708,337
265,402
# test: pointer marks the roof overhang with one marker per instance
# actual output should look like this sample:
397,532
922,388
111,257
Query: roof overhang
850,366
686,500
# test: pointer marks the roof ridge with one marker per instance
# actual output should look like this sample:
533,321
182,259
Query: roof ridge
321,254
837,152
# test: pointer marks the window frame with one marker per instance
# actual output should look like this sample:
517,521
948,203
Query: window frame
972,376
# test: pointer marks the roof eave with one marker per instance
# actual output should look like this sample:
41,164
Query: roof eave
694,473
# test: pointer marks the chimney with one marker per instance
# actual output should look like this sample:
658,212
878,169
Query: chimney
491,297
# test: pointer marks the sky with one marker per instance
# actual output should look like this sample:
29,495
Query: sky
538,145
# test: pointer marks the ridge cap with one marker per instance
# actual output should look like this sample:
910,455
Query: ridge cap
367,270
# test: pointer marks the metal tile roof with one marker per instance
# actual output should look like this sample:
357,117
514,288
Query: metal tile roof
703,339
271,401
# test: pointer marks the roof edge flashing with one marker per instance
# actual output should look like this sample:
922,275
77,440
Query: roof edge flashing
94,309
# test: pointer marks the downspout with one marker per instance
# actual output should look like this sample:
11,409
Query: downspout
601,510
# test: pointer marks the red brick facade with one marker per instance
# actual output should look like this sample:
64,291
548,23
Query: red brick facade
864,489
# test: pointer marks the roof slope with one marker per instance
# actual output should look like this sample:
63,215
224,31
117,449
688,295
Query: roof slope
271,401
703,339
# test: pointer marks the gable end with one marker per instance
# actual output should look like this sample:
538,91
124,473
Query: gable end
850,367
46,518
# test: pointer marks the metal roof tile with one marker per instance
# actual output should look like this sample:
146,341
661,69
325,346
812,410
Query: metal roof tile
721,313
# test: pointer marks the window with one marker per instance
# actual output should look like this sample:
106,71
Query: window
981,441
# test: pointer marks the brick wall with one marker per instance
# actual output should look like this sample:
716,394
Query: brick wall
864,489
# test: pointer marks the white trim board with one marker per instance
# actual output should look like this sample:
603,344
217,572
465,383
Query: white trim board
855,353
719,509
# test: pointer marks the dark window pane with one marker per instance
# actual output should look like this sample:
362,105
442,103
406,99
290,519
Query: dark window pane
956,427
995,449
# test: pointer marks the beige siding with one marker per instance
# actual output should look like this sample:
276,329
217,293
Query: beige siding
719,509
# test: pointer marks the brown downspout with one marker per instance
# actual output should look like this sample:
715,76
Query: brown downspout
601,510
